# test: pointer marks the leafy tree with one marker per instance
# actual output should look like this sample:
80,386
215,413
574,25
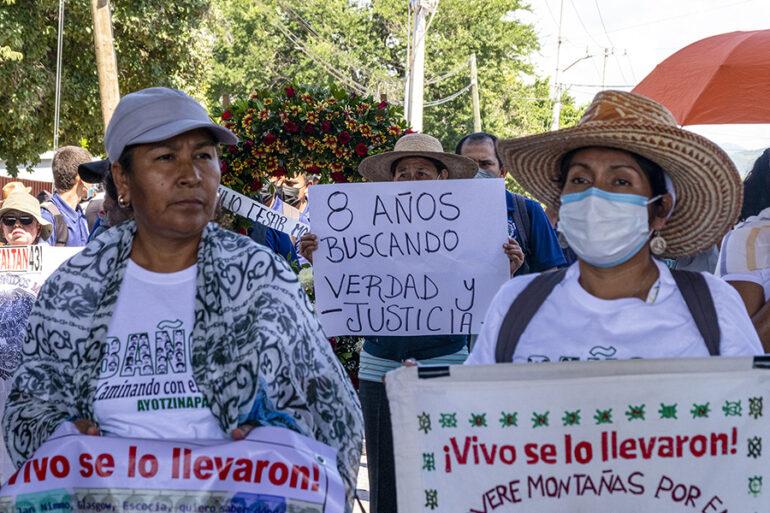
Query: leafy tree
157,43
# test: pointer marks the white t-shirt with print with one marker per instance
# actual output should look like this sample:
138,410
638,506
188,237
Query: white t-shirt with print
745,252
146,387
574,325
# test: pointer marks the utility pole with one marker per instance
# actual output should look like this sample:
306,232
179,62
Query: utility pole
475,94
604,65
416,80
556,85
106,64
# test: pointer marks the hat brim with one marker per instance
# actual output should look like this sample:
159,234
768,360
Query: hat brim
46,228
709,192
94,172
180,126
377,168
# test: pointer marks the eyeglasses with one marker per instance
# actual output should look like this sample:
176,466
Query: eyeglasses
10,221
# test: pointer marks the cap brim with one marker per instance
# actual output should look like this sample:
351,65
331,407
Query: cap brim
94,172
377,167
180,126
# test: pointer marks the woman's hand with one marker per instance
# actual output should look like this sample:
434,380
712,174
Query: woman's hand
515,255
87,427
241,432
308,243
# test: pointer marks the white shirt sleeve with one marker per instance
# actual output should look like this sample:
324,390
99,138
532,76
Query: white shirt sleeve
483,351
738,335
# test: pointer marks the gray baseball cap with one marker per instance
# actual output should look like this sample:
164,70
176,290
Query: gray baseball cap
156,114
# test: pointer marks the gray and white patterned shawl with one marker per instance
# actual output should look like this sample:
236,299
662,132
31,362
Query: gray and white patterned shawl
259,355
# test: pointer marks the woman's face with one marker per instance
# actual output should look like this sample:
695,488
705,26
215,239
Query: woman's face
607,169
417,168
172,184
20,228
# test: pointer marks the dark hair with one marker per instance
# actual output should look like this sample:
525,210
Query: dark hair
653,171
126,159
478,137
437,163
756,187
64,166
109,186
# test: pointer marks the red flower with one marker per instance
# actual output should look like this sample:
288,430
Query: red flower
344,137
223,166
290,92
409,131
338,177
362,150
256,184
232,148
382,105
227,115
269,138
310,128
291,127
326,127
313,170
281,171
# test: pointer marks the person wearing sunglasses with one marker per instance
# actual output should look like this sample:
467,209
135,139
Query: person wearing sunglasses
22,222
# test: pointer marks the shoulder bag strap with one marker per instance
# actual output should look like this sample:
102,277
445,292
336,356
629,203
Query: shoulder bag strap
697,296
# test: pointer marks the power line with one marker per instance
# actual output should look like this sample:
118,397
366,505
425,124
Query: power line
630,65
449,98
620,68
693,13
601,18
583,24
457,69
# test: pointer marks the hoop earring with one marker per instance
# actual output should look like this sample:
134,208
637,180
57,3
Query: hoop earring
658,244
122,202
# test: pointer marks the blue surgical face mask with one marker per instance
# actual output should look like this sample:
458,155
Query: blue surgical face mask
483,173
605,229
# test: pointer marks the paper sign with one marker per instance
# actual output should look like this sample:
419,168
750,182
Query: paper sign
21,259
408,258
672,436
259,213
272,470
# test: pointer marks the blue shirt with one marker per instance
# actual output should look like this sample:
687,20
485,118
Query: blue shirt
544,251
77,226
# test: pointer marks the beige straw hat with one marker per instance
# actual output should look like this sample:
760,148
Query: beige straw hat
28,204
708,188
377,168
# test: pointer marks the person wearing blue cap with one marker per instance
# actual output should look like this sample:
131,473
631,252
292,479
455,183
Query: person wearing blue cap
226,317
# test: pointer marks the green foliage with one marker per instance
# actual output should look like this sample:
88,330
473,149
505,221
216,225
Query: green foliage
157,43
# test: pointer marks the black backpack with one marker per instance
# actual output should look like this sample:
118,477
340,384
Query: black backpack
59,223
523,227
692,286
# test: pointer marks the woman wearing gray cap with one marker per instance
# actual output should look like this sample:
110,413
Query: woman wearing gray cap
214,322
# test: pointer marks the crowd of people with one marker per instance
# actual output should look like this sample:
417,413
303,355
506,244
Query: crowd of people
631,201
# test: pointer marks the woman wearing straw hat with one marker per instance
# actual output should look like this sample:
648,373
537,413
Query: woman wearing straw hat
22,223
629,186
414,157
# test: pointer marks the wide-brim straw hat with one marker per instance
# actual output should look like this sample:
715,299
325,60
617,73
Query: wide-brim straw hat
28,204
709,192
377,168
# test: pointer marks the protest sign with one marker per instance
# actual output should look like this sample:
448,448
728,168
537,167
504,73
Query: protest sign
23,269
666,436
246,207
272,470
408,258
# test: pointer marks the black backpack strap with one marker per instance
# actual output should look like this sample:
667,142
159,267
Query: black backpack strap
697,296
521,218
59,224
521,312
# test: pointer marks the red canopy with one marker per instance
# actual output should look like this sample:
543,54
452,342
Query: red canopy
718,80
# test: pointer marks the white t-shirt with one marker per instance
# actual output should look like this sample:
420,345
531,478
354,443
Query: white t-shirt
745,253
146,387
574,325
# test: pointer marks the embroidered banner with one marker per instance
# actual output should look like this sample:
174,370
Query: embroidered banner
272,470
666,436
408,258
239,204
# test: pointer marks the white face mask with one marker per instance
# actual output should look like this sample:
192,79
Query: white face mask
483,173
605,229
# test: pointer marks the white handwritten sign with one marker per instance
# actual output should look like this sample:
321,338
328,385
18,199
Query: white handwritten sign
672,436
272,470
408,258
243,206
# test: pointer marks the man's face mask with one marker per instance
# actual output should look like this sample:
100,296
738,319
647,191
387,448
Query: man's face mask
483,173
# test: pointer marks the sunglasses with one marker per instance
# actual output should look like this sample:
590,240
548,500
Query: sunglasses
10,221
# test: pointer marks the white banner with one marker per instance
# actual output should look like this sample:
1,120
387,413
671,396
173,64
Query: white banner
408,258
23,270
666,436
246,207
272,470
